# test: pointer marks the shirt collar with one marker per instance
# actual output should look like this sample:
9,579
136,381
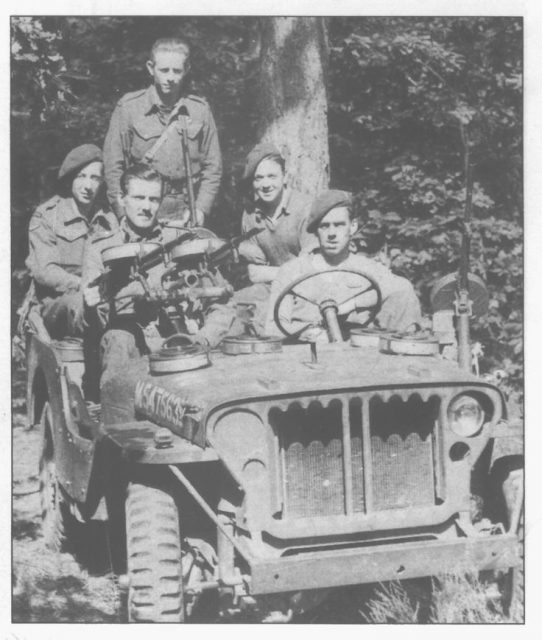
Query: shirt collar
282,208
154,103
133,236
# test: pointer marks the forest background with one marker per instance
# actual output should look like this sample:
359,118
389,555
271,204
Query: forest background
397,88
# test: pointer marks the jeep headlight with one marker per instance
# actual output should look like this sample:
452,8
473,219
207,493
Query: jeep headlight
465,416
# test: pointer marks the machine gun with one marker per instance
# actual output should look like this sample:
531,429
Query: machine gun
228,252
191,277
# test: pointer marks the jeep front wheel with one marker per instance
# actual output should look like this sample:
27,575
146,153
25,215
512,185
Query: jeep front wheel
56,518
153,548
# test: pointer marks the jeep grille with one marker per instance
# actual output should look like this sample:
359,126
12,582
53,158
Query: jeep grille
357,454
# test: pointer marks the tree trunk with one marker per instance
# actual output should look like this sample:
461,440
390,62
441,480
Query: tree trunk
292,98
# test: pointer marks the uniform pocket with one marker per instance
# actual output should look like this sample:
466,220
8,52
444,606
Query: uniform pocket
193,129
72,232
147,128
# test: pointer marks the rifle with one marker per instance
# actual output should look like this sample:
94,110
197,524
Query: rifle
183,115
180,113
463,303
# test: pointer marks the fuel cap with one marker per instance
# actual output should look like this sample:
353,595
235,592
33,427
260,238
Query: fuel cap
178,353
421,343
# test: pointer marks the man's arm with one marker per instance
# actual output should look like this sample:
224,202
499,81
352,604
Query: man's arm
258,268
43,260
115,153
294,316
400,305
211,166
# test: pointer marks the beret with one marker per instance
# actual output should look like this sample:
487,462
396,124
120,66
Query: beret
78,158
257,154
326,201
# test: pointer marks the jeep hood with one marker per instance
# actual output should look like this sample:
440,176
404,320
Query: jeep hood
235,379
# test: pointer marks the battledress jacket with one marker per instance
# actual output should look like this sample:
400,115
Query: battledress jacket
57,235
138,122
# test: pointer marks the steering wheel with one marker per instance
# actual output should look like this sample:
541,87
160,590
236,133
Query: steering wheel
326,304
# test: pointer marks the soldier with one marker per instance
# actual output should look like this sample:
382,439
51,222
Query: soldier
130,324
279,211
57,234
280,214
146,126
331,220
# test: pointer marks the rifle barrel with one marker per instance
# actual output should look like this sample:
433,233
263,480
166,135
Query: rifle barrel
183,115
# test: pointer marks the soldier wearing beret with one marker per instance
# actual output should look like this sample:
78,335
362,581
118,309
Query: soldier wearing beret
332,222
280,215
146,126
279,212
57,233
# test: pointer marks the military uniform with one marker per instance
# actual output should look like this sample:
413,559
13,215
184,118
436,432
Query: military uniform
281,237
57,236
137,123
400,306
130,327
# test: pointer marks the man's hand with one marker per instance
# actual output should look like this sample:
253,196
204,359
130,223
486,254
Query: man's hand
199,221
262,273
91,296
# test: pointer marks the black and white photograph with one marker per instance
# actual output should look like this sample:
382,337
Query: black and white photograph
267,318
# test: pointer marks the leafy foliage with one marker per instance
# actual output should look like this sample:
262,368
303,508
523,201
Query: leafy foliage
401,88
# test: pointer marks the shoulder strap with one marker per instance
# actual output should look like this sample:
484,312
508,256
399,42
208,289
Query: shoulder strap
174,116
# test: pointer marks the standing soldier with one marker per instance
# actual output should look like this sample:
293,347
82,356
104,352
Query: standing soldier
150,125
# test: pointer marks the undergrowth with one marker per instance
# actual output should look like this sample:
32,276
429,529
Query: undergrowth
455,598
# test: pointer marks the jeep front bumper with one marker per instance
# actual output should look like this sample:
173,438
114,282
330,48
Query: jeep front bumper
325,569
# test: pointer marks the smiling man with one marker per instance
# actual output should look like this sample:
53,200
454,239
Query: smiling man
331,220
57,235
146,127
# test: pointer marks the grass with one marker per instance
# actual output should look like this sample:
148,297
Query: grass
454,598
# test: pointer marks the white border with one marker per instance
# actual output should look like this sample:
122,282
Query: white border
530,9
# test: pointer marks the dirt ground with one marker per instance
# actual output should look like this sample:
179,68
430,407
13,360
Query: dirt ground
49,587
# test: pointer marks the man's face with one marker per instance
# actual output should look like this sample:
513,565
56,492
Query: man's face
335,231
269,182
141,203
87,182
168,69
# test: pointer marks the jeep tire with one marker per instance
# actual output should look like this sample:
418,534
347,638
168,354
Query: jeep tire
56,518
153,549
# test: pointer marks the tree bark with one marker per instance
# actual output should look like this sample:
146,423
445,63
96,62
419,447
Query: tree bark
292,98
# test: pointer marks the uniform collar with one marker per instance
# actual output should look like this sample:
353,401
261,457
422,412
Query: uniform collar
69,212
153,101
132,236
104,219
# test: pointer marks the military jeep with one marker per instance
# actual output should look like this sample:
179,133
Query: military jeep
270,473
